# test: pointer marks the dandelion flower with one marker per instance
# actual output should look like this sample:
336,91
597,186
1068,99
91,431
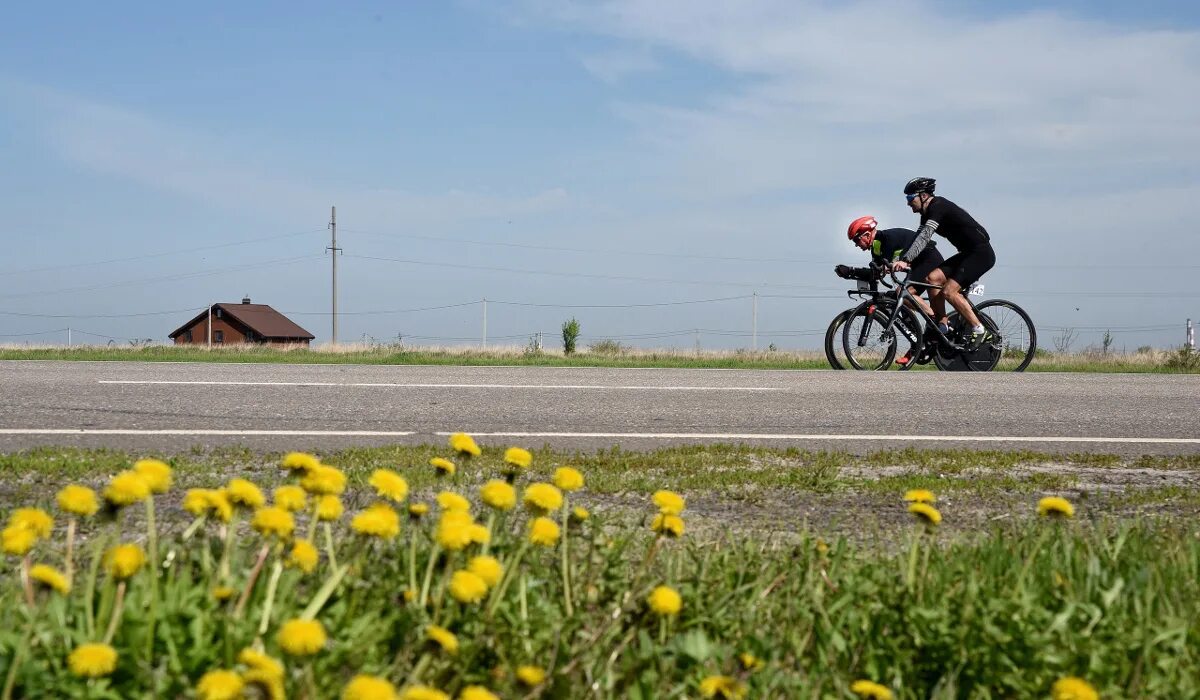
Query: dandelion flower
126,488
443,466
324,481
423,692
580,514
448,500
300,462
479,534
1072,688
79,500
919,496
542,498
301,637
219,505
329,508
543,531
260,662
273,521
364,687
925,513
50,577
155,473
244,493
17,540
723,687
499,495
35,520
443,638
665,600
195,501
416,510
1056,507
868,690
664,524
220,685
464,445
477,692
467,587
388,484
267,685
454,530
518,457
486,568
304,556
750,662
377,521
668,502
125,560
223,593
531,676
568,479
291,498
92,660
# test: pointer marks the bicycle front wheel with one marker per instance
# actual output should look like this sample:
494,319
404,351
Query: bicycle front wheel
868,341
833,340
1018,338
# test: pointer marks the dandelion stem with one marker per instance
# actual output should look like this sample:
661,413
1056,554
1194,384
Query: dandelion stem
118,609
414,677
433,555
312,520
272,585
325,591
253,579
19,655
227,552
329,545
509,569
26,582
910,581
412,561
566,571
491,523
152,546
70,556
90,590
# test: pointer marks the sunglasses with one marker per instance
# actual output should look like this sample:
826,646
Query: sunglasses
910,197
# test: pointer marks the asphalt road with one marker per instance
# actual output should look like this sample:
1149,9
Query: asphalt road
176,406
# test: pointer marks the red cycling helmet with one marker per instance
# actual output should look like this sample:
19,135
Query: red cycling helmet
864,227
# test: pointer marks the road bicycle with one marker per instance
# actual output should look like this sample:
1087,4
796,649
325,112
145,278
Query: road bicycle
866,289
874,331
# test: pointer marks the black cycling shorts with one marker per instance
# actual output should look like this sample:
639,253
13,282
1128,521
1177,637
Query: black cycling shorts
928,261
968,266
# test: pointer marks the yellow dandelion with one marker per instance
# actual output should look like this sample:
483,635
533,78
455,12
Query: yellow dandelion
291,498
448,500
464,445
723,687
542,498
479,534
388,484
1056,507
268,686
155,472
443,466
665,600
301,637
126,489
195,501
531,676
467,587
329,508
543,531
79,500
219,504
422,692
244,493
671,525
518,457
443,638
220,685
487,568
868,690
377,521
580,514
919,496
454,530
50,577
300,462
17,541
124,560
35,520
568,479
273,521
668,502
223,593
417,510
750,662
477,692
1072,688
260,662
925,513
324,481
304,556
92,660
409,595
499,495
364,687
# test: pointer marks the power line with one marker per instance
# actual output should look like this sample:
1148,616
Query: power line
147,313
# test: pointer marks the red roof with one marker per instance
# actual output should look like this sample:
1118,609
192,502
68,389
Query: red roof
260,318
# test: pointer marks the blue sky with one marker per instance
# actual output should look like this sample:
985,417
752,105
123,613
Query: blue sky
577,153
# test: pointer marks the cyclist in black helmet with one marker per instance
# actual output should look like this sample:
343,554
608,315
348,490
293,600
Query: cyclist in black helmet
974,257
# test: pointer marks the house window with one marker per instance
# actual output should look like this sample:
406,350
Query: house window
218,336
187,337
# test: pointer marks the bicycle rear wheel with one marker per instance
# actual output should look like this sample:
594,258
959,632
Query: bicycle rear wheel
981,359
870,345
1018,337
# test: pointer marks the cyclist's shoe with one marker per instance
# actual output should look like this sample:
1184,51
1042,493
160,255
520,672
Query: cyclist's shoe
906,360
979,338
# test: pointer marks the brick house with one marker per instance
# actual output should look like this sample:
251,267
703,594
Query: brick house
241,323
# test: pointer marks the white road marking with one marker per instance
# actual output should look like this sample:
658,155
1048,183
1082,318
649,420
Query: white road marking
450,386
818,436
185,431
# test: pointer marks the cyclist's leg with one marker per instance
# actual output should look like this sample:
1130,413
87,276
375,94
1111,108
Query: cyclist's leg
937,300
926,263
972,266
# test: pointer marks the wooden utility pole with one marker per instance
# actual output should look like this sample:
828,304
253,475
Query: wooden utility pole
334,250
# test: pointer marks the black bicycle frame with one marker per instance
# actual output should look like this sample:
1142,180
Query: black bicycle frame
903,295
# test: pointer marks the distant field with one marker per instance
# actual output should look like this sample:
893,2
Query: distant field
1161,361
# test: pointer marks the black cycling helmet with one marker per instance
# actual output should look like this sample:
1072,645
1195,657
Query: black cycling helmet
918,185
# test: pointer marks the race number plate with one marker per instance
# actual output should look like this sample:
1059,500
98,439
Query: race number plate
976,290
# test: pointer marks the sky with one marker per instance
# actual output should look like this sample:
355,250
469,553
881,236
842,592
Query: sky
656,169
